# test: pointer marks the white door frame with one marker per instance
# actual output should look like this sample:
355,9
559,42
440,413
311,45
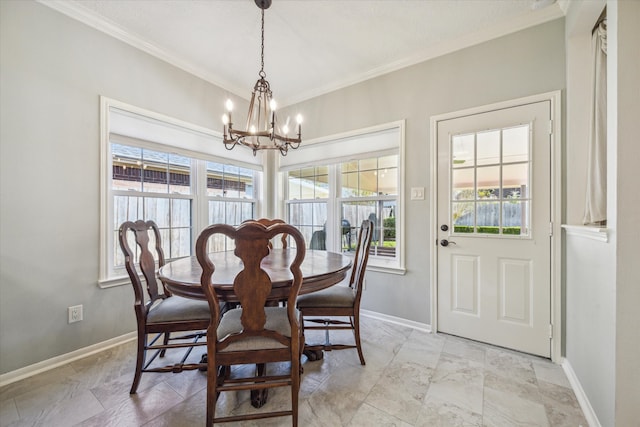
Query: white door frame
556,207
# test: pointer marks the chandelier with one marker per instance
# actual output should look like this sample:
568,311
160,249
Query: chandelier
262,131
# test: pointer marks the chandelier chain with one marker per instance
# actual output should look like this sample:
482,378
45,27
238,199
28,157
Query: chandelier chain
262,73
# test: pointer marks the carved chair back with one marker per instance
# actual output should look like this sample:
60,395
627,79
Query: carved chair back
148,255
268,223
252,285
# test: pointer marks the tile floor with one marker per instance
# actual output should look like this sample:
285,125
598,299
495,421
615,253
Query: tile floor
412,378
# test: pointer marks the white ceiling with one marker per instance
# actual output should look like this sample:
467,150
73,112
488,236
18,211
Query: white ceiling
311,46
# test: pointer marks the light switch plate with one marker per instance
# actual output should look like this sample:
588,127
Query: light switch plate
417,193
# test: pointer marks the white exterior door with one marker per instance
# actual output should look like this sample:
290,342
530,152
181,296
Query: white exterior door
494,217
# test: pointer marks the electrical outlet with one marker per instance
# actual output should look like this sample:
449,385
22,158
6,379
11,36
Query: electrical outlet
75,313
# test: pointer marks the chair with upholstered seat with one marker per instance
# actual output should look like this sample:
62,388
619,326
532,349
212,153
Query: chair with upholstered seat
158,312
341,300
252,333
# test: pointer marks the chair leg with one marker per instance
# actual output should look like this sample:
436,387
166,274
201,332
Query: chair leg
356,333
140,357
301,321
212,381
295,389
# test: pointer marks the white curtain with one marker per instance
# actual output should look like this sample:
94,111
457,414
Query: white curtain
596,200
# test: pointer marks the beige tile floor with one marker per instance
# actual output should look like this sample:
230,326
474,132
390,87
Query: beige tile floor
412,378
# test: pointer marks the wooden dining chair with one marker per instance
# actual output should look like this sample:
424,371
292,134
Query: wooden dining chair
269,222
341,300
252,333
158,312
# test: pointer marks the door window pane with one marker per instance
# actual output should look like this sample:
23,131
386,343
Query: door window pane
488,182
491,197
462,150
488,148
515,145
462,182
515,217
488,217
464,217
516,176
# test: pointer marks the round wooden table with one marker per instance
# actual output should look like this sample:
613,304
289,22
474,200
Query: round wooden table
320,269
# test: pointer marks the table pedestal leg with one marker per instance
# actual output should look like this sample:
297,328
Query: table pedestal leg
259,397
312,354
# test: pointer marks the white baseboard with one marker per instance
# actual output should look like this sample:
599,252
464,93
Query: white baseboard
583,400
63,359
396,320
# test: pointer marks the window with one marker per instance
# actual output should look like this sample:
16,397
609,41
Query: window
490,192
369,190
230,198
308,190
152,185
155,168
358,178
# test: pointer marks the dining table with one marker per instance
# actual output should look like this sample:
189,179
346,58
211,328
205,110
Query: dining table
320,269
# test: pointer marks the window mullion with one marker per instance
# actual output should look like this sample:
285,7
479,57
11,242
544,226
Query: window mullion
200,207
333,208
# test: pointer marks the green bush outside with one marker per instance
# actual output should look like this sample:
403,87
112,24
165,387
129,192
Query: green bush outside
389,228
486,229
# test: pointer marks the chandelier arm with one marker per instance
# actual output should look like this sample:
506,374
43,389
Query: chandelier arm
230,144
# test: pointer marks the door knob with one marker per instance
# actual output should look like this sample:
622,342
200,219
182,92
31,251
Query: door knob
445,243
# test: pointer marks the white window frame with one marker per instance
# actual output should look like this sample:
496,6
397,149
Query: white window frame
198,143
342,147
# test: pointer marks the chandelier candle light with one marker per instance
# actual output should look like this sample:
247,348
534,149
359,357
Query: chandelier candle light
262,131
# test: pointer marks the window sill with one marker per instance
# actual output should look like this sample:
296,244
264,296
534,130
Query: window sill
388,270
113,282
600,234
